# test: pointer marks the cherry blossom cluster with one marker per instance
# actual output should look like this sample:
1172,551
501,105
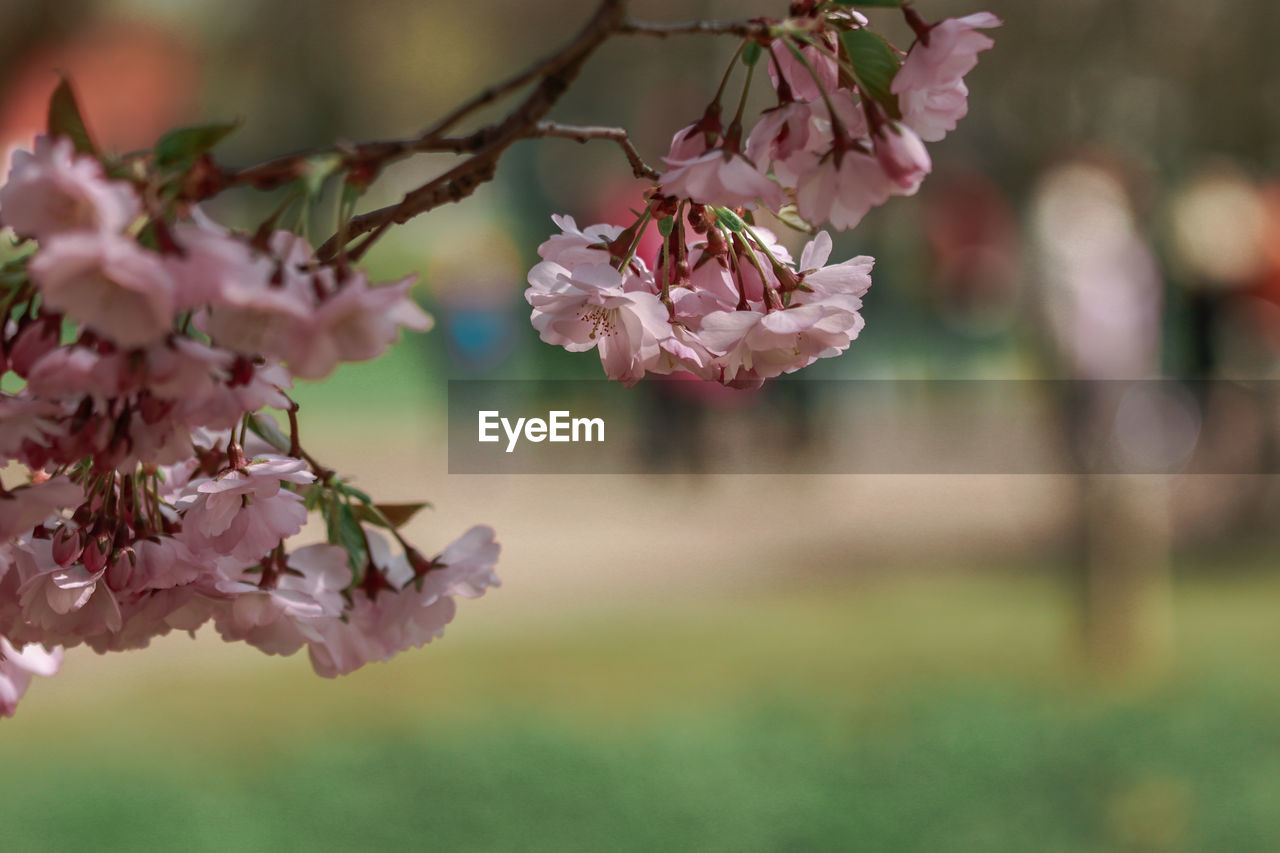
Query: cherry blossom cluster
141,344
725,301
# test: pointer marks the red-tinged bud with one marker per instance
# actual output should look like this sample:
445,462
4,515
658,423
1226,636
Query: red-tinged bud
204,180
902,155
241,372
36,340
374,582
420,564
235,456
152,409
67,545
97,552
120,573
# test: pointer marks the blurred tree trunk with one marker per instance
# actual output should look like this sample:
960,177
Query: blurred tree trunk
1123,571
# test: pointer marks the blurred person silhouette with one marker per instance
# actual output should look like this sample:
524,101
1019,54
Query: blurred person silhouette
1101,306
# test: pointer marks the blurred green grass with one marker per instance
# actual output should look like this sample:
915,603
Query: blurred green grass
926,713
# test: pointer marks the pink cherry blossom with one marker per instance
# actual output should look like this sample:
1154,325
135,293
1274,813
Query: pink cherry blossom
279,619
213,263
26,506
245,513
781,132
930,85
766,345
842,193
356,323
799,78
109,283
903,157
377,628
52,191
588,307
722,178
17,665
25,420
848,278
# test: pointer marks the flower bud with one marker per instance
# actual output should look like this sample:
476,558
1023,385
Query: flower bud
97,552
67,545
36,340
903,156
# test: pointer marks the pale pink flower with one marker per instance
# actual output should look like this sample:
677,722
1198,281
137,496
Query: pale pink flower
465,566
25,420
245,513
65,605
930,87
108,283
73,371
799,78
573,246
588,307
147,615
279,620
26,506
249,388
215,262
688,143
780,133
17,665
376,629
842,194
52,191
257,320
722,178
355,323
33,342
683,352
765,345
848,278
903,157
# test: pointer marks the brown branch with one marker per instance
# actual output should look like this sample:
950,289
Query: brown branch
754,29
551,76
555,73
580,133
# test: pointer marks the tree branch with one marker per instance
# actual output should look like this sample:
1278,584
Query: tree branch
551,76
754,29
556,73
581,133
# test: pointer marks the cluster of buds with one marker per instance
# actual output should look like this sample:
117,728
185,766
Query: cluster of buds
725,301
141,344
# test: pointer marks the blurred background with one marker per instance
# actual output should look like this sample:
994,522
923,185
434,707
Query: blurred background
685,661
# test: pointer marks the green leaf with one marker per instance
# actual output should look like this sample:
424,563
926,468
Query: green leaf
187,143
351,491
400,514
789,216
729,219
349,536
751,53
65,118
265,428
875,64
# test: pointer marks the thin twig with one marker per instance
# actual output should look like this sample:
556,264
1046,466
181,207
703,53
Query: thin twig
582,133
556,74
742,29
551,76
